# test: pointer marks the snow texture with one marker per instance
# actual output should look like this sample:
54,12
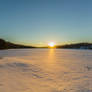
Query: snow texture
45,70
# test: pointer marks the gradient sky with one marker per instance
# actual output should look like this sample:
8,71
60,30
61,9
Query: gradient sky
37,22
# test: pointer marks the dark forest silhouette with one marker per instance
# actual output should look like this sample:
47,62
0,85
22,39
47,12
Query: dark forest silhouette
8,45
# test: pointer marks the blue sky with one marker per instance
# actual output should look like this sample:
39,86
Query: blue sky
37,22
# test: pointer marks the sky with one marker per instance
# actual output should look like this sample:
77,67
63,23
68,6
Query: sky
38,22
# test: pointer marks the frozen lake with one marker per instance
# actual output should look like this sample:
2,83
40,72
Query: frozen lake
45,70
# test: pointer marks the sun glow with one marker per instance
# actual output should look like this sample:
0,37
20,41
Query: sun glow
51,44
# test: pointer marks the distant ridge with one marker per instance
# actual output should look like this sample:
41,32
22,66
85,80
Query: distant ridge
76,46
8,45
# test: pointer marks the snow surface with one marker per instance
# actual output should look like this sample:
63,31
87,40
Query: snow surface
45,70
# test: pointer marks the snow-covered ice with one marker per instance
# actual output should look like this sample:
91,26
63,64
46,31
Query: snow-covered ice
45,70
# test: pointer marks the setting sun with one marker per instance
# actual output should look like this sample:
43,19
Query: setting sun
51,44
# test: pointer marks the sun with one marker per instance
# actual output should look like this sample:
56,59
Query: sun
51,44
